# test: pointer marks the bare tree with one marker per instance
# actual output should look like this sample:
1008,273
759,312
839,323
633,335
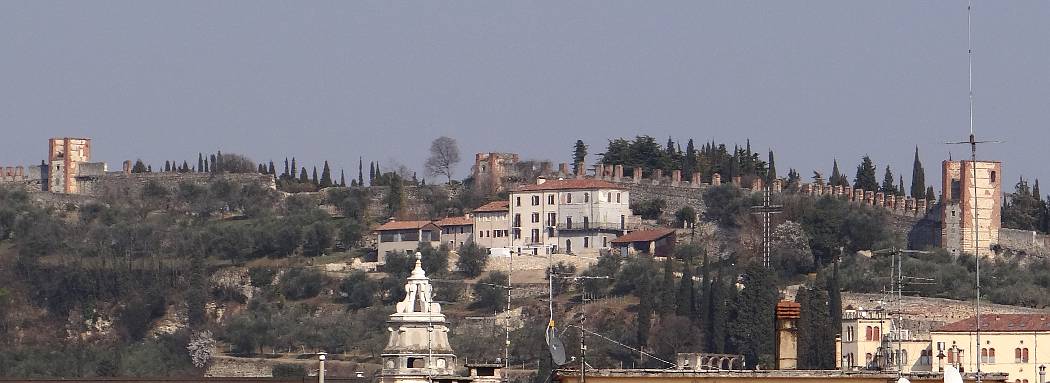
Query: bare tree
444,154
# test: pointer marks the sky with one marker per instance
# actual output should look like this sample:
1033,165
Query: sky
338,80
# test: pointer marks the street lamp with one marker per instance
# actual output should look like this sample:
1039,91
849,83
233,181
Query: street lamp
321,356
1042,373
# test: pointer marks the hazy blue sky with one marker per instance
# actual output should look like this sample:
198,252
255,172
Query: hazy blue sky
813,80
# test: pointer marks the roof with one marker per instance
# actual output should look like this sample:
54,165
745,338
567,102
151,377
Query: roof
455,221
494,207
402,225
570,184
1001,323
643,235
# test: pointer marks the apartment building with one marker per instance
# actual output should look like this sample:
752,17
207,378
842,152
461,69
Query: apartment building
577,216
405,237
1010,344
492,225
456,231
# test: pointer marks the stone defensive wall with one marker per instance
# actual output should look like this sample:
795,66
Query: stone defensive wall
33,177
1025,241
121,183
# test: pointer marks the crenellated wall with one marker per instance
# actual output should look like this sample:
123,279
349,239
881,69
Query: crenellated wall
898,205
120,183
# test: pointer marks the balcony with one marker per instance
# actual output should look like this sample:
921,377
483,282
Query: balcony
576,226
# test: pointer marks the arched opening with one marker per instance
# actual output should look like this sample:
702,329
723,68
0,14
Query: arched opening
416,363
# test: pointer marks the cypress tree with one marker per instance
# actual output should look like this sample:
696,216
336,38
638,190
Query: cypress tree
207,167
689,163
303,178
185,167
167,166
149,168
214,164
918,178
270,170
836,176
816,343
900,186
686,292
665,292
294,166
716,333
342,178
360,172
287,173
753,333
579,155
772,171
200,162
835,299
645,309
888,188
1035,191
929,193
326,176
314,178
371,173
865,178
705,292
219,165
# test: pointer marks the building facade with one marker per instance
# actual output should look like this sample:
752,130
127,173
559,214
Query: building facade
965,185
490,169
65,157
1010,344
492,225
405,237
456,231
577,216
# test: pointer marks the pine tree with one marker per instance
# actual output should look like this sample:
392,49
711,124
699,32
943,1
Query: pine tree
888,188
314,178
303,177
579,156
771,172
342,178
200,162
865,178
918,178
360,172
326,176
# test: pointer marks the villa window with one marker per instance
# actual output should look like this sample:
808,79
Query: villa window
586,197
535,200
550,199
568,197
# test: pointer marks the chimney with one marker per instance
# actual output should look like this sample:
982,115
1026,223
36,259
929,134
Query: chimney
787,314
541,180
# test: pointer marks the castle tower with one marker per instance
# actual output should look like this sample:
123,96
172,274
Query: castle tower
958,199
418,349
65,154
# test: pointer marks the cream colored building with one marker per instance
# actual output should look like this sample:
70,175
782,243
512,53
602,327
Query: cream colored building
861,339
1010,344
456,231
405,237
576,216
492,225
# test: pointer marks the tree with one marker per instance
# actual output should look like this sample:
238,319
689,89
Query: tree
359,290
837,178
200,162
644,309
342,178
326,176
360,172
686,305
270,170
752,332
900,187
816,343
918,178
371,173
865,178
303,177
139,167
579,156
167,166
771,171
490,292
888,188
689,165
444,155
472,259
685,216
314,179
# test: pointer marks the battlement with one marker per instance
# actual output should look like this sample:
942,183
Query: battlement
894,204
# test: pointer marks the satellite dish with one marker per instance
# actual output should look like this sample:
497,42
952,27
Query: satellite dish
951,375
555,345
903,380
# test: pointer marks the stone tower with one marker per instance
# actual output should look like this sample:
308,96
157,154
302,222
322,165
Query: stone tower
958,201
65,154
418,349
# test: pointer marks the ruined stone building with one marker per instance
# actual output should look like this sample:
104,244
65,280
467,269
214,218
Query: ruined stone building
69,162
490,169
960,193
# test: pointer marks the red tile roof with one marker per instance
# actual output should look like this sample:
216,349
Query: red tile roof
454,221
643,235
570,184
494,207
402,225
1001,323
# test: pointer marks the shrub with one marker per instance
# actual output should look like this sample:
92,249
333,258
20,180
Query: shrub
302,283
472,260
288,370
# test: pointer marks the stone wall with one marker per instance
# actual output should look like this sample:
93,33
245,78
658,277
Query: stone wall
131,184
1024,241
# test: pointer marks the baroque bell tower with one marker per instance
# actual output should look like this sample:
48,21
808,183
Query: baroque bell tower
418,349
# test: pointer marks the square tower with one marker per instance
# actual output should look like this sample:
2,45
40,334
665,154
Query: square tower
961,191
65,154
